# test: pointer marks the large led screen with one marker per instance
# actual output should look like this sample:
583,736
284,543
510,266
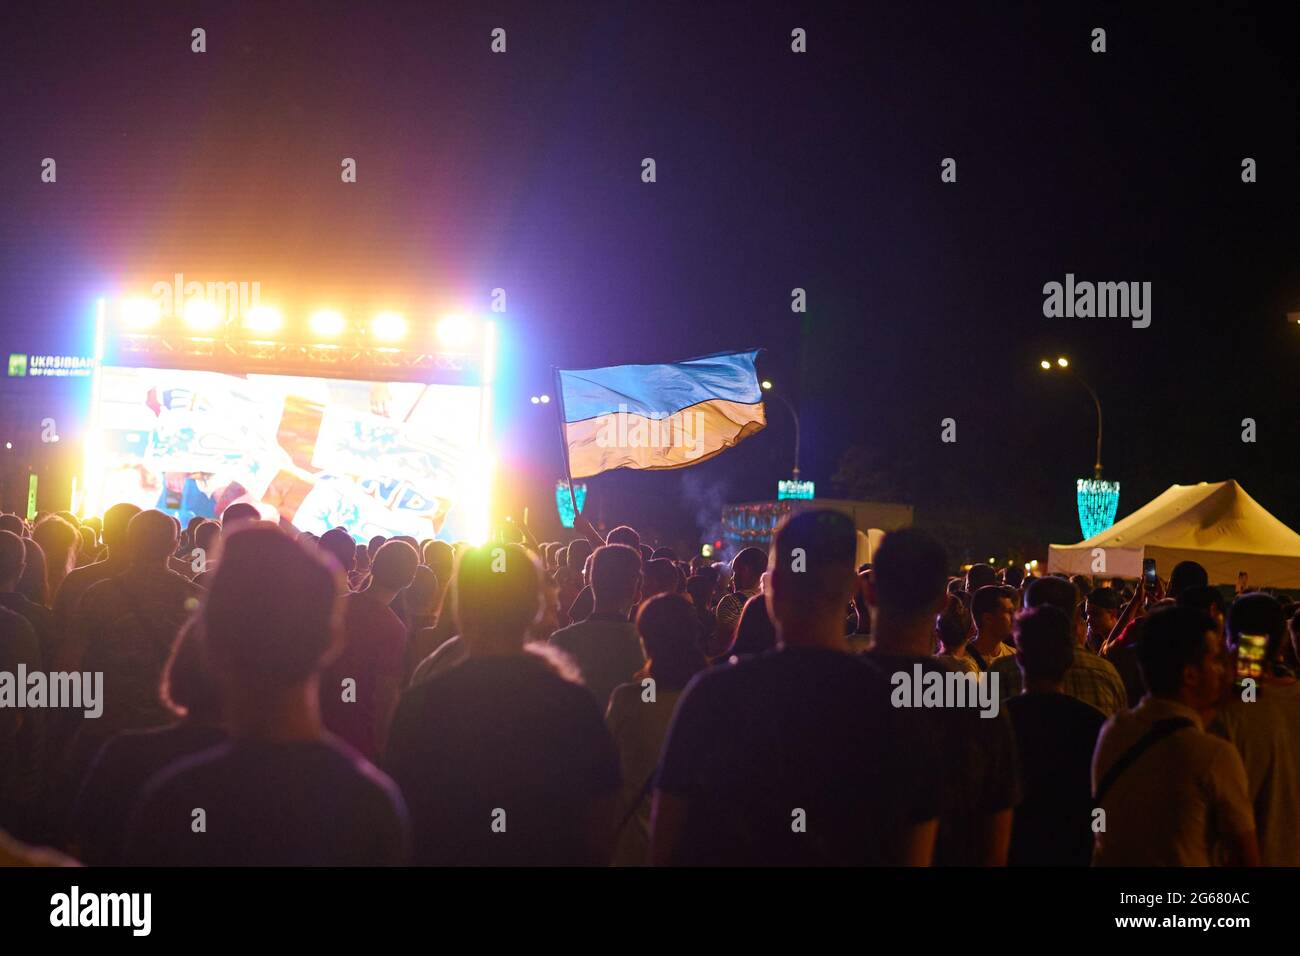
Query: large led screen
373,457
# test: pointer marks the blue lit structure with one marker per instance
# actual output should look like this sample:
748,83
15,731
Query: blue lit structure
800,490
1098,502
564,504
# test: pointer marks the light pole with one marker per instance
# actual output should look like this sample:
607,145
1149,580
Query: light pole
1097,500
767,387
570,497
1064,363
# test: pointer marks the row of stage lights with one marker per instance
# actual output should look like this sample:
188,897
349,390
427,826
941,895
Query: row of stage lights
201,317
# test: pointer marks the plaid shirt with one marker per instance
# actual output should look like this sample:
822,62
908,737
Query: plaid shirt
730,607
1090,678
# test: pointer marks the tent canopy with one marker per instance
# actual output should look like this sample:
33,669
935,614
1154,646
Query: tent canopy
1215,524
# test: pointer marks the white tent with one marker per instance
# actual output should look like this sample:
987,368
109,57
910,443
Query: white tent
1215,524
868,542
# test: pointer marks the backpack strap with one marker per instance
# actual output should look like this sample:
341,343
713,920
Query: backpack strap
645,791
1158,732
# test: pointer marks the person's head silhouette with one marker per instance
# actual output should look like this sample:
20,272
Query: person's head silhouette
150,539
615,578
239,512
207,537
270,618
747,568
577,554
422,593
393,567
13,560
498,595
813,574
670,635
337,543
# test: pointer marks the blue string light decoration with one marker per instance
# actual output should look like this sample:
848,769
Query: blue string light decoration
1098,502
564,504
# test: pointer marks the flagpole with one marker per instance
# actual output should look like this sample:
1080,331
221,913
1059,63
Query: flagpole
564,438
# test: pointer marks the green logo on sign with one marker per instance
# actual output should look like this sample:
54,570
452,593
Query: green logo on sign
17,365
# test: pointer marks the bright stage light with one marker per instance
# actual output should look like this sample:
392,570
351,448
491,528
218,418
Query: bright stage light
140,313
767,386
455,331
478,498
202,316
1063,362
388,326
327,323
535,400
1045,364
264,320
546,399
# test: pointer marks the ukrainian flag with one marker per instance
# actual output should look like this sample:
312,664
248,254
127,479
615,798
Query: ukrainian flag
658,416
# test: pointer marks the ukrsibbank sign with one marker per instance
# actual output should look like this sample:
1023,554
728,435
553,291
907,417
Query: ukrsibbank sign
49,366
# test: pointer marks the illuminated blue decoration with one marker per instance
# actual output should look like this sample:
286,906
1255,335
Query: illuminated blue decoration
1098,502
794,489
564,504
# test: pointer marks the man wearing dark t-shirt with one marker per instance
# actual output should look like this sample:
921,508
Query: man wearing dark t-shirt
22,730
979,787
129,760
124,628
270,803
1055,738
605,646
796,756
66,652
373,655
281,791
129,623
503,761
80,580
13,561
22,740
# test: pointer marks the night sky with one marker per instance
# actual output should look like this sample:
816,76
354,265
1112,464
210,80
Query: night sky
775,171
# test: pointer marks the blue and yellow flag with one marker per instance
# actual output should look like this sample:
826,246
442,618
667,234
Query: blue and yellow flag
658,416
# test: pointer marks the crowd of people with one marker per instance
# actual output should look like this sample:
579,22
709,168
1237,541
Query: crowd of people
274,698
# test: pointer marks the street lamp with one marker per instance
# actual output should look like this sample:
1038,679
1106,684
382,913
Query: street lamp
794,488
767,387
1097,500
1064,364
